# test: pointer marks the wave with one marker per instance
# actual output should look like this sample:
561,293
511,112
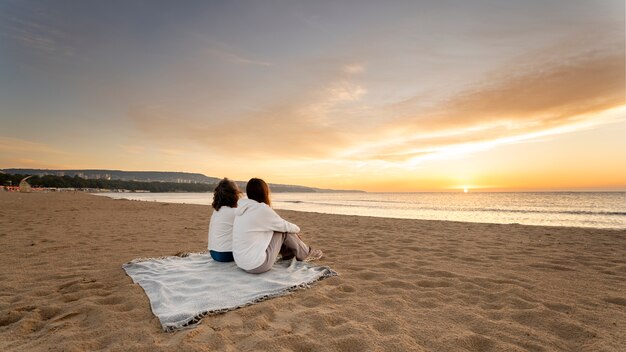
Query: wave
534,211
327,204
461,209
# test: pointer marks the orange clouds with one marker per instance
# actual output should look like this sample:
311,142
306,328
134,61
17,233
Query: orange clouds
554,92
547,97
15,145
278,132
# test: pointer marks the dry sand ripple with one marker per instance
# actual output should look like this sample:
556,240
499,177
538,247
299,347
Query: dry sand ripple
404,284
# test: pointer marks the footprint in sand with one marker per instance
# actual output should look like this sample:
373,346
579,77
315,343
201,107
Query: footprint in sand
621,301
347,288
558,307
433,283
10,317
549,267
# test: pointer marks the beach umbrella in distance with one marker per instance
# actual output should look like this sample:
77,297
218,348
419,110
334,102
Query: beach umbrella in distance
25,186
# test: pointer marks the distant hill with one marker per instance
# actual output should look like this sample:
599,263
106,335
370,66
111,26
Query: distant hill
142,176
159,176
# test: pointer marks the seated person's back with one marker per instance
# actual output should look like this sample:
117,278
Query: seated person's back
225,199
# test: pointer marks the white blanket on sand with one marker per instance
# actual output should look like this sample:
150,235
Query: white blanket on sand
182,290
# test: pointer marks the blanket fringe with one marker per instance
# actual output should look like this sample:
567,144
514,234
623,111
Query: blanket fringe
194,321
179,254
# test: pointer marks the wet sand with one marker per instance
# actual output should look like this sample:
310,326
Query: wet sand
403,285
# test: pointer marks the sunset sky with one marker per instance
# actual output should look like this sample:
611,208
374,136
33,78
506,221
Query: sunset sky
373,95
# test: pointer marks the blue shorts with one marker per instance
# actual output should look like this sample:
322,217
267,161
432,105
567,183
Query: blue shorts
222,256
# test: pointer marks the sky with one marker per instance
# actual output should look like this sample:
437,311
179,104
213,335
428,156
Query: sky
372,95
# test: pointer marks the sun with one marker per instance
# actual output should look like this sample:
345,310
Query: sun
465,190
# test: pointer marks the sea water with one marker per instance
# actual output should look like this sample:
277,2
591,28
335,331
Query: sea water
579,209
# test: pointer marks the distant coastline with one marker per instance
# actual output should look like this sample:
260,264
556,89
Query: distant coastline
147,181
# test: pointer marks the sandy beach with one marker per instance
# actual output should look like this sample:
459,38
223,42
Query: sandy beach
404,284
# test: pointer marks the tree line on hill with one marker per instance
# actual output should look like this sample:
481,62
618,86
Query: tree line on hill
51,181
140,176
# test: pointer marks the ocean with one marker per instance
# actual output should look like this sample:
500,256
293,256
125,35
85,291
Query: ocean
578,209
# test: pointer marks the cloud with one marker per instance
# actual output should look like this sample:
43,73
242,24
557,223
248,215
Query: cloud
281,131
38,31
551,92
354,68
133,149
301,124
231,57
334,119
346,91
546,97
16,152
15,145
172,151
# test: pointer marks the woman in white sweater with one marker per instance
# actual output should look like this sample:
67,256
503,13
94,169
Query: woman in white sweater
225,197
259,234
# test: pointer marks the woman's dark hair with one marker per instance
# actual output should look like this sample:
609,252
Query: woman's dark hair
258,190
225,194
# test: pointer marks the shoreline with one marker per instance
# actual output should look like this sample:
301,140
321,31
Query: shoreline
404,284
383,217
